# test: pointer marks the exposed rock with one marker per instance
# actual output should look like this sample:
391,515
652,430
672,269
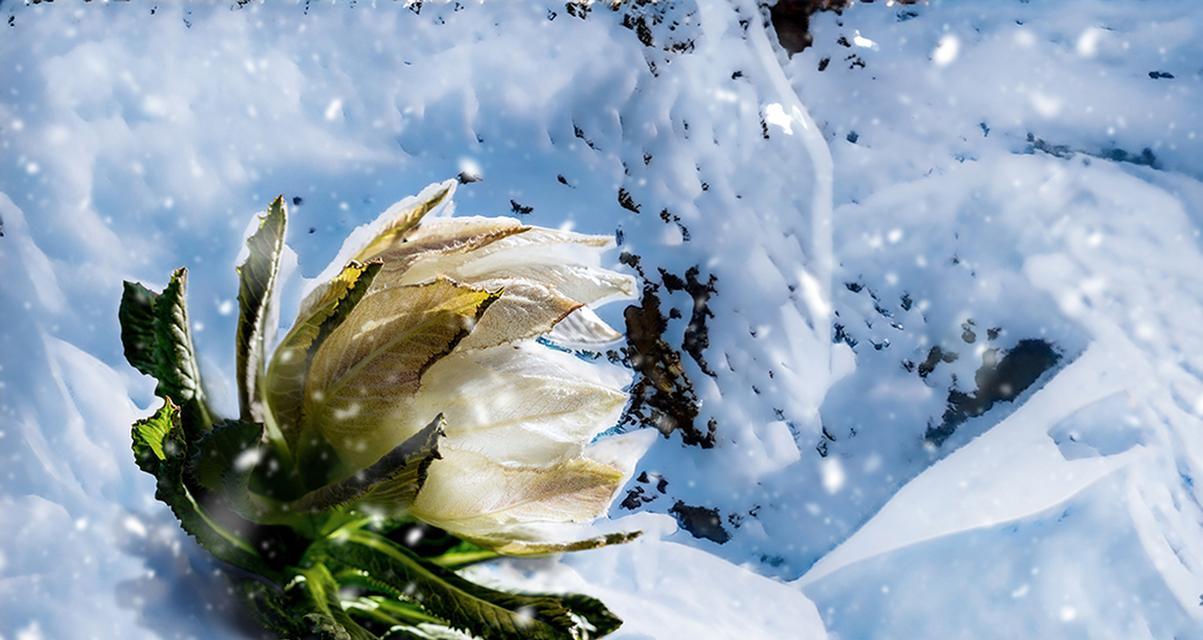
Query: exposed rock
700,522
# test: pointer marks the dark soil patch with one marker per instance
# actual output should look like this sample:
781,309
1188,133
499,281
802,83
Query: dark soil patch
1001,378
791,20
662,395
700,522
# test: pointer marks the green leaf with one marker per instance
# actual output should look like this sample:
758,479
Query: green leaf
327,619
157,338
599,617
391,483
488,613
256,284
464,554
390,609
226,455
161,449
270,607
425,631
307,607
520,548
139,327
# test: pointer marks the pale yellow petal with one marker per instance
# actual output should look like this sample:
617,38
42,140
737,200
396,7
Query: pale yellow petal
477,498
365,374
442,240
395,224
533,243
535,533
592,286
285,381
399,221
525,310
623,451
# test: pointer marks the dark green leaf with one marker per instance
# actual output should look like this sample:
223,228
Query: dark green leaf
392,482
161,450
603,621
256,282
270,606
327,618
488,613
464,554
243,474
158,342
226,455
381,613
308,607
139,327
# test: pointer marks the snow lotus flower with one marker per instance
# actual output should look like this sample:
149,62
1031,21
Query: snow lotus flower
427,380
448,324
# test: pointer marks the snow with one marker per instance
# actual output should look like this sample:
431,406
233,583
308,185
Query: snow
1074,513
654,587
979,169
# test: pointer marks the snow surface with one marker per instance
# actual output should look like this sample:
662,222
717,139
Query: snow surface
954,162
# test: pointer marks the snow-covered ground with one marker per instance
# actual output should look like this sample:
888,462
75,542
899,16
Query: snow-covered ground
1014,183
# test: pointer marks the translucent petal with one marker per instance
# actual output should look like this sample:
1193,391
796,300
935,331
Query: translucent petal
583,329
534,243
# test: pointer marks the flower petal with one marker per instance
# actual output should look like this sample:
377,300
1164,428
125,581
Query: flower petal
591,286
525,310
583,329
565,262
285,381
365,373
401,218
622,451
390,227
527,404
446,240
478,499
533,243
